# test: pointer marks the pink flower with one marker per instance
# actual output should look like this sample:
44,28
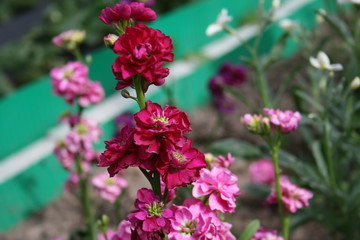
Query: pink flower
194,220
68,81
150,214
123,232
293,197
71,182
91,93
142,51
118,13
225,162
109,188
155,124
266,234
63,154
220,184
69,39
180,166
256,123
287,120
123,12
109,235
262,172
121,153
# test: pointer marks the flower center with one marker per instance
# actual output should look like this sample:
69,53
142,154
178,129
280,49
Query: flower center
160,118
189,227
155,209
68,73
81,129
143,50
181,158
109,181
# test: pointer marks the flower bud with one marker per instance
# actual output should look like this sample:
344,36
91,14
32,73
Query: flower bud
276,4
69,39
355,84
209,158
256,124
125,93
110,40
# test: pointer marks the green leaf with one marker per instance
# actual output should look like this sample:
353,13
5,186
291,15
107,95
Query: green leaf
307,98
319,159
237,148
250,230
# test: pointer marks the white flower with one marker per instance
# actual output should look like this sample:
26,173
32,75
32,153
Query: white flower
222,19
288,24
322,62
355,84
276,4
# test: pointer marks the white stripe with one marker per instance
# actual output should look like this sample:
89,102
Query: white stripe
116,104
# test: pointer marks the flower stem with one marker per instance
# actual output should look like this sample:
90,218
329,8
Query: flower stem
285,219
85,200
140,96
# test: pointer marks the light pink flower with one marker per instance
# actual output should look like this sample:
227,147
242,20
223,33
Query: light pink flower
69,39
293,197
287,120
91,93
68,80
109,188
194,220
262,172
71,182
220,184
266,234
63,154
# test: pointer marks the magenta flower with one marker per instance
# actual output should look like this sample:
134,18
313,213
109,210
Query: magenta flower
220,184
266,234
110,234
155,124
121,153
150,214
109,188
262,172
123,232
91,93
180,166
194,220
141,13
68,81
142,51
122,120
293,197
287,120
118,13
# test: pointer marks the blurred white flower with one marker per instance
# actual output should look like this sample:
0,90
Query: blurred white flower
355,84
222,19
276,4
288,25
322,62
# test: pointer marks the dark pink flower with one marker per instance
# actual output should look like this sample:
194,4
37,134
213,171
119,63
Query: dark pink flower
180,166
118,13
150,214
155,124
266,234
142,51
262,172
293,197
121,153
109,235
123,232
287,120
220,184
225,162
141,13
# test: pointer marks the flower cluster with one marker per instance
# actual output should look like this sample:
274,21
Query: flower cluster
220,186
157,142
276,120
71,82
228,75
220,161
69,39
293,197
262,172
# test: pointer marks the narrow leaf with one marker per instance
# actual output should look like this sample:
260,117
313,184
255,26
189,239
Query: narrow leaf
250,230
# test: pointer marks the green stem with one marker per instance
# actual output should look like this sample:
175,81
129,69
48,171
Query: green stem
140,96
262,86
285,219
78,54
85,201
328,155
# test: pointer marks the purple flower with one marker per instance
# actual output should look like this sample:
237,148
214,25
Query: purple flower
233,75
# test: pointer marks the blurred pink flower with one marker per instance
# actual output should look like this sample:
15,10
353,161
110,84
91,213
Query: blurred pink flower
225,162
220,184
293,197
266,234
69,39
109,188
287,120
262,172
71,182
123,232
91,93
109,235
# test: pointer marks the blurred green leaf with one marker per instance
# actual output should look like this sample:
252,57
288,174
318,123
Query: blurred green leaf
236,147
250,230
262,191
307,98
319,159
